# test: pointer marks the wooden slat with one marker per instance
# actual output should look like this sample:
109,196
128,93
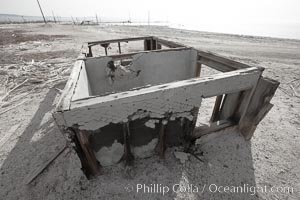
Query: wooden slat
167,43
92,164
205,87
229,105
129,55
118,40
198,69
229,63
215,65
213,127
258,107
64,102
34,174
210,59
215,113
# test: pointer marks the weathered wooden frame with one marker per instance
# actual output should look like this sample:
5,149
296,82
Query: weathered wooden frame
243,97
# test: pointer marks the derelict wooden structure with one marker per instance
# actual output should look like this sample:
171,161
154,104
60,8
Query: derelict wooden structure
136,97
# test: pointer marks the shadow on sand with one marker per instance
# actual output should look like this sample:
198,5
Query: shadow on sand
228,162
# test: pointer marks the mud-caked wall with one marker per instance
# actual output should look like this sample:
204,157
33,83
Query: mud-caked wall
149,68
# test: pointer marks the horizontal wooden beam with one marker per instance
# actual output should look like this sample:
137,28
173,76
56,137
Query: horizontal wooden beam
118,40
210,86
215,61
129,55
228,64
213,127
167,43
215,65
212,60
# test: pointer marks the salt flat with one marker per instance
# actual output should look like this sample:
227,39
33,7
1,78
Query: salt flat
38,58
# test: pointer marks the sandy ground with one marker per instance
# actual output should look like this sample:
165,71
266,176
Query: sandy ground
39,62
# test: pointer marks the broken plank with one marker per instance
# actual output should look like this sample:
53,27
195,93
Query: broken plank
260,100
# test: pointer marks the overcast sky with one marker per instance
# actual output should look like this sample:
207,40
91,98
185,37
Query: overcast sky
210,11
275,18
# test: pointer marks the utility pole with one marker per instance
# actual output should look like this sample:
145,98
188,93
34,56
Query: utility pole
148,17
53,17
129,16
97,19
42,11
73,20
23,19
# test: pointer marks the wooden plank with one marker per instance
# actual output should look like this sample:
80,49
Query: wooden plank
92,165
161,145
206,87
118,40
227,63
119,46
127,156
210,59
198,69
213,127
215,113
64,102
90,53
229,106
215,65
187,93
129,55
169,44
147,45
34,174
258,107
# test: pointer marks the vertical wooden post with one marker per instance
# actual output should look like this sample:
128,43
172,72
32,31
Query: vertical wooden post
147,45
158,45
73,20
105,47
215,114
198,69
53,17
97,19
119,45
92,164
196,109
161,145
90,54
127,156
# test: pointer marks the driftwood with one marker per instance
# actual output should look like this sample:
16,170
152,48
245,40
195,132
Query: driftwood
295,92
16,87
34,174
13,107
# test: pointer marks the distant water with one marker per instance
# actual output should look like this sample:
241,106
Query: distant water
278,30
290,31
